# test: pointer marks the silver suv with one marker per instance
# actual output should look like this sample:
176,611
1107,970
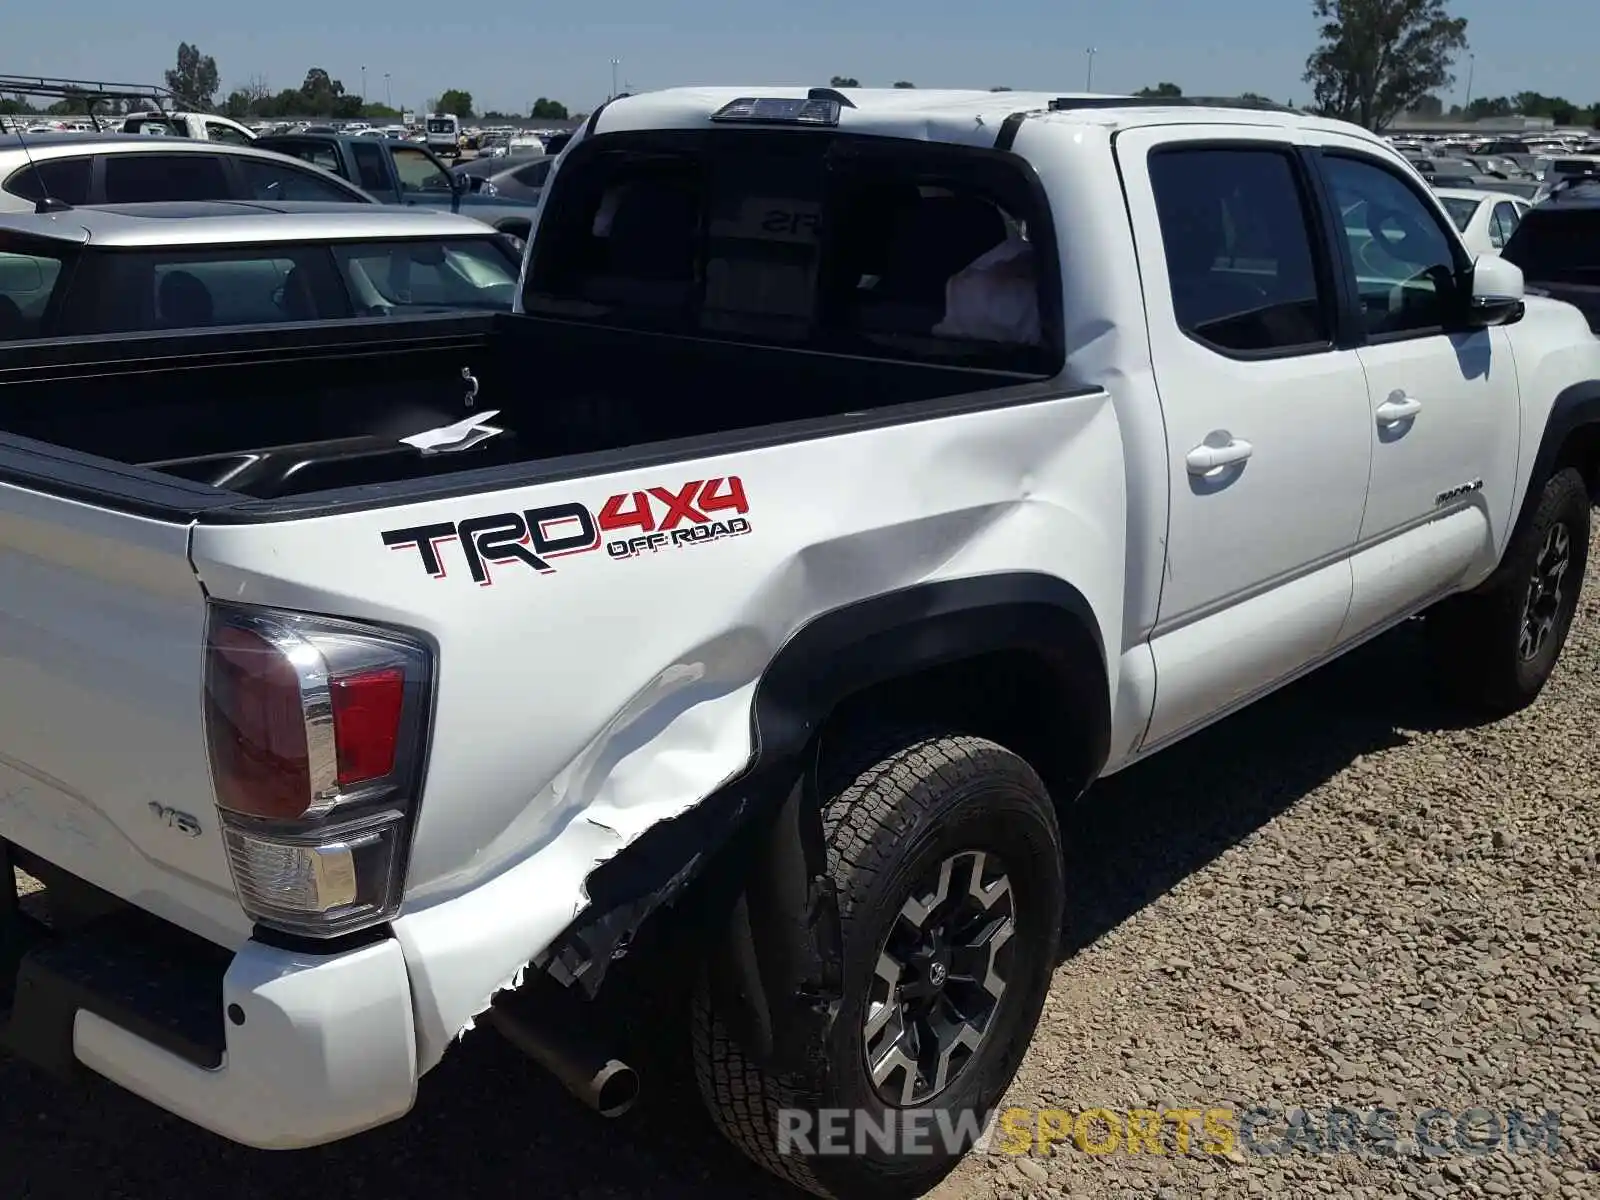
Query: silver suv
83,170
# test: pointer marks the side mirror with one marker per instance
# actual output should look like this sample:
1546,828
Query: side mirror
1495,297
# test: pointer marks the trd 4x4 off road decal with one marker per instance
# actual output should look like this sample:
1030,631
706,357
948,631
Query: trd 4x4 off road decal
702,510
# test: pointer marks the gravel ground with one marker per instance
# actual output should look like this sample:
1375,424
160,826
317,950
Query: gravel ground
1337,898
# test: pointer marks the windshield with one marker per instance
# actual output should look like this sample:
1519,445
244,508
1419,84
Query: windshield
476,273
1460,210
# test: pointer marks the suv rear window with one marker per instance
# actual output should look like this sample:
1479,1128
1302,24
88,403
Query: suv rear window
822,241
1557,244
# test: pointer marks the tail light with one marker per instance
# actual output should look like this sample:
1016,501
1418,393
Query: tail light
316,730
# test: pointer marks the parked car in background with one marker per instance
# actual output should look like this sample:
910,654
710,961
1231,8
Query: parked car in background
134,268
79,170
443,133
402,173
509,178
1567,167
1557,245
1485,219
202,127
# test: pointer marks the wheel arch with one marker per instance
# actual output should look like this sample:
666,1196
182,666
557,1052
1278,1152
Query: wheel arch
1571,438
1014,657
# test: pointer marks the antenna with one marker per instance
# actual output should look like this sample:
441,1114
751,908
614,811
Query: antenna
46,202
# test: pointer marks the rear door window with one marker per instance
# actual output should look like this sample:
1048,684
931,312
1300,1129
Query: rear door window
372,171
146,178
1235,228
64,179
264,179
318,154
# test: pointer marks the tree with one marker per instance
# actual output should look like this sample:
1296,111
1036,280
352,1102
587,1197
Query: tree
999,89
1377,58
1428,106
905,84
1167,90
1255,98
455,102
548,110
843,81
195,81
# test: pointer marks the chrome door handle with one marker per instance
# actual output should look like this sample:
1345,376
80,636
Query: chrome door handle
1205,458
1398,407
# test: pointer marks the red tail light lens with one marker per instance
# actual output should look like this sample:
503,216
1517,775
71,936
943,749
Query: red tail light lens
256,727
366,723
317,732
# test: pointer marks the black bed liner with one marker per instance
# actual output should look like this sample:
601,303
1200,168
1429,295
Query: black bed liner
253,425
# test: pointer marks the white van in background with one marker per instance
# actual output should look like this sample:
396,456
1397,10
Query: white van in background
444,134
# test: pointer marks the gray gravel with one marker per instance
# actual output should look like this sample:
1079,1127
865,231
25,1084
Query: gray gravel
1337,898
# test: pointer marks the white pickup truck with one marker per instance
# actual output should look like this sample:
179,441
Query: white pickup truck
862,475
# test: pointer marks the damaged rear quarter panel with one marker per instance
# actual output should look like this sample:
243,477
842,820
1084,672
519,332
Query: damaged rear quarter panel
580,705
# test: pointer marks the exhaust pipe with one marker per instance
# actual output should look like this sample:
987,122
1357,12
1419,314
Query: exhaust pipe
577,1059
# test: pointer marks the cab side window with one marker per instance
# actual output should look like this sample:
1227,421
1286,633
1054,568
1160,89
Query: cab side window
1238,245
418,172
1406,265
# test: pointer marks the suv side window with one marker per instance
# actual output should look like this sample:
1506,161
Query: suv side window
1236,233
534,174
143,178
1406,262
65,179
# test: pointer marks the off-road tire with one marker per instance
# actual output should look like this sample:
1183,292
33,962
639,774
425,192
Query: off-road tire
1475,636
887,817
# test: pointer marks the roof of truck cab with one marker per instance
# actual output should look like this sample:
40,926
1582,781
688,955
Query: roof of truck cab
214,222
967,116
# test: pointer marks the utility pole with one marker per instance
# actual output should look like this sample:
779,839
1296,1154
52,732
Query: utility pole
388,94
1472,66
1088,85
615,63
363,87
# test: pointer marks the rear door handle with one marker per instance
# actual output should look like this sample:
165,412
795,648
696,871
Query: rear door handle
1398,407
1205,458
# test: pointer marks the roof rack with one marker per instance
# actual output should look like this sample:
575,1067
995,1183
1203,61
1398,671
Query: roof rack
1072,103
90,92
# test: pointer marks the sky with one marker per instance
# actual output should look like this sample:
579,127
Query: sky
509,52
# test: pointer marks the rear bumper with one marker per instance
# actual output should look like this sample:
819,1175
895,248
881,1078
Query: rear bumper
268,1047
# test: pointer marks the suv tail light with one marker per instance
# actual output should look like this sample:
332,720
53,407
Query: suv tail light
316,730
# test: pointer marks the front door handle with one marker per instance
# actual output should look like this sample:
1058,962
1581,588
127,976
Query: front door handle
1398,407
1206,457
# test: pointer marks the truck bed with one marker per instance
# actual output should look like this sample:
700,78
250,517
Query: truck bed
283,413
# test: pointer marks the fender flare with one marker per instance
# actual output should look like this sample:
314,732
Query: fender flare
774,953
1576,406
